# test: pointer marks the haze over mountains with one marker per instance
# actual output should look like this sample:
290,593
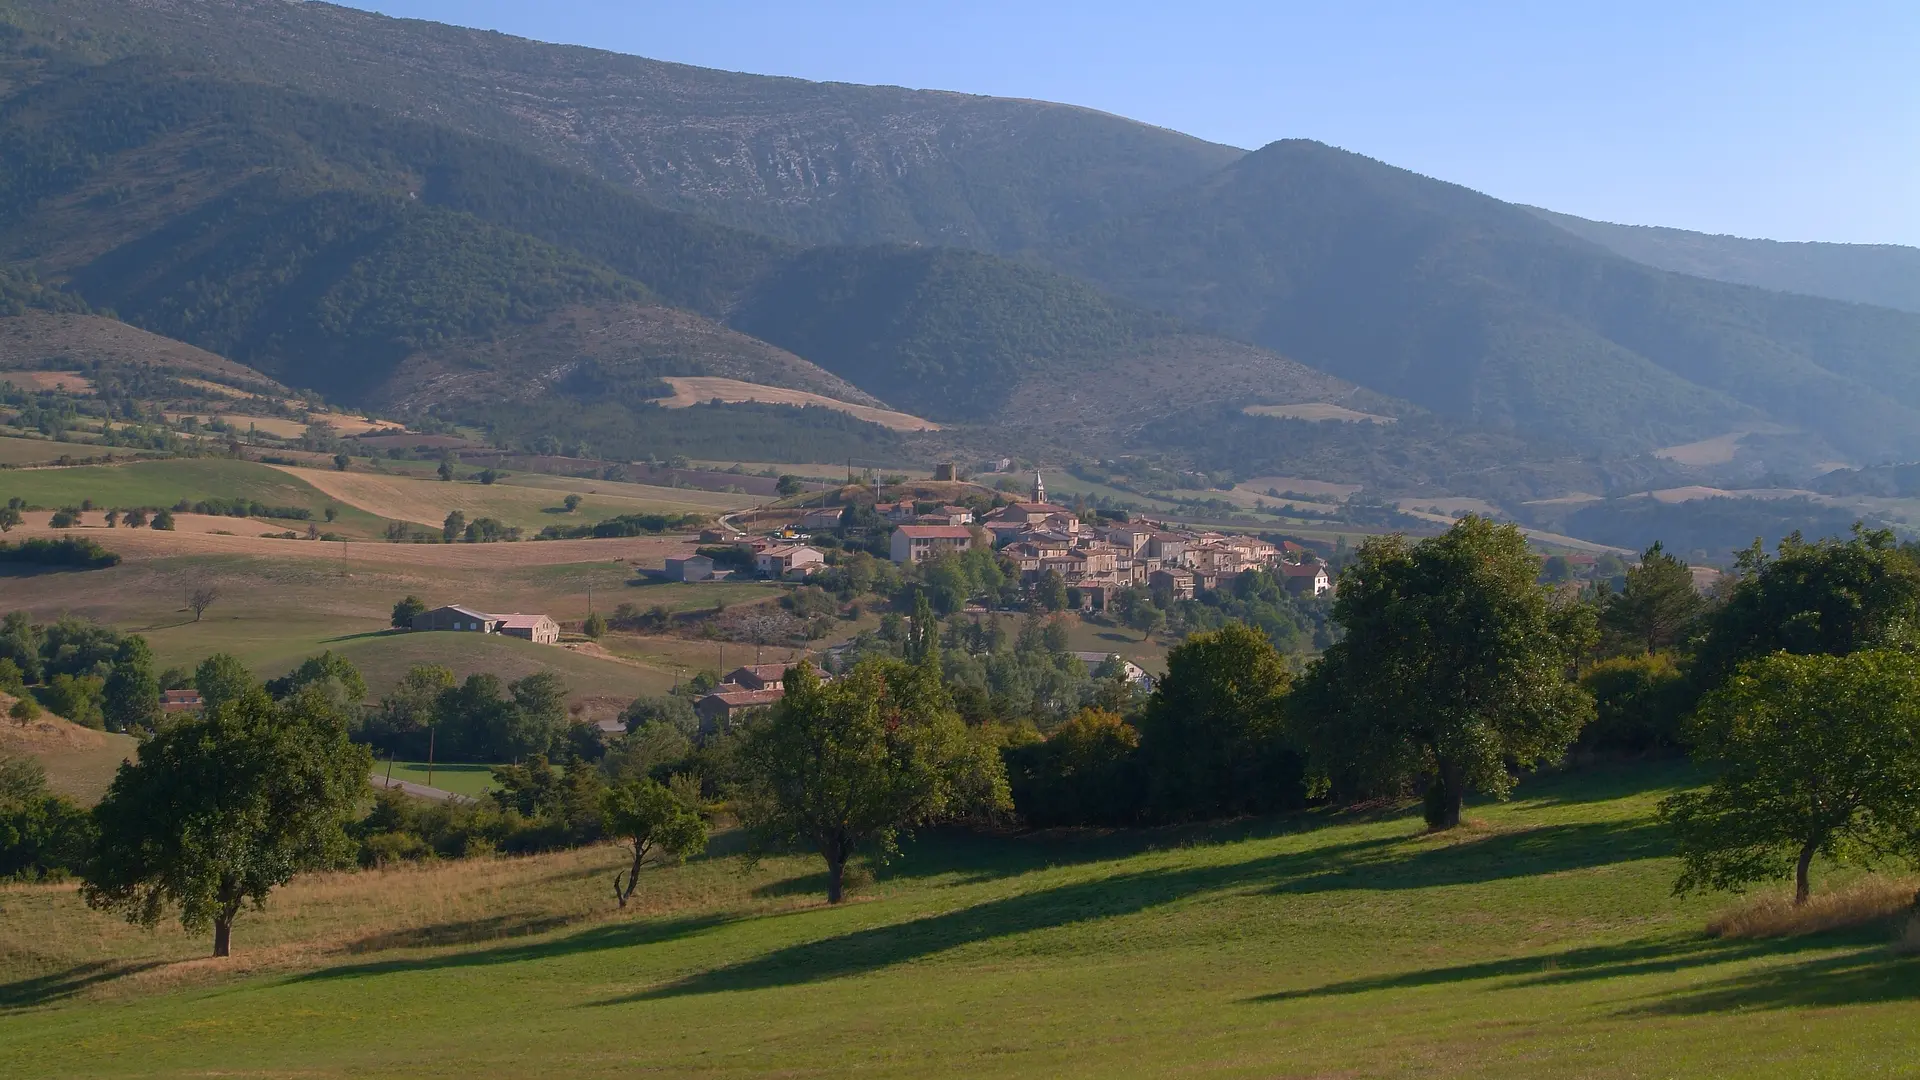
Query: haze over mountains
368,207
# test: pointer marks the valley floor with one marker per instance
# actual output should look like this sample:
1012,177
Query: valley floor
1541,941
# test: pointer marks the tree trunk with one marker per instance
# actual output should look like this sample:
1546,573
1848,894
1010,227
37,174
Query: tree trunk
223,935
1802,887
1452,794
633,878
836,853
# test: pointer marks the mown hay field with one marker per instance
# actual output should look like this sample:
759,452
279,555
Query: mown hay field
1539,941
428,502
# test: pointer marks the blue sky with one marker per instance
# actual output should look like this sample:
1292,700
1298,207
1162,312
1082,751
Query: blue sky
1792,121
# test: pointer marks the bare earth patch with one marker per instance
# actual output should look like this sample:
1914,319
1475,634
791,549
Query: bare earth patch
49,380
195,534
694,390
1318,410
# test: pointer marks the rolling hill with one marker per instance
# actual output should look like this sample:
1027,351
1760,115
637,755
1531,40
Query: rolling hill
1887,275
809,162
480,223
1480,310
382,260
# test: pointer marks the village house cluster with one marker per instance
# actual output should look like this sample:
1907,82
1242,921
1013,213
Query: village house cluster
1037,536
1100,561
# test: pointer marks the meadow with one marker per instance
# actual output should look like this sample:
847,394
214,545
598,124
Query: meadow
534,501
283,600
1539,941
163,483
43,451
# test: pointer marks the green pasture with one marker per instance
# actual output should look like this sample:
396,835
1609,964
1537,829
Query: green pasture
39,451
472,780
1541,941
163,483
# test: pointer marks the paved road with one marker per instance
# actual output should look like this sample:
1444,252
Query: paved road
418,790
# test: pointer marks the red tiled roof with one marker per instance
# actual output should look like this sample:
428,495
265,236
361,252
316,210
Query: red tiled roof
937,532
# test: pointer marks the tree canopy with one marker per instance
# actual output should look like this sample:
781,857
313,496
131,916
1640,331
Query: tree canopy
1455,663
849,765
220,809
1828,596
1818,755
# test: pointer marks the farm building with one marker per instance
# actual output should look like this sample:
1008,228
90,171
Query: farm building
690,568
535,628
758,677
179,700
918,543
788,560
538,629
455,617
725,705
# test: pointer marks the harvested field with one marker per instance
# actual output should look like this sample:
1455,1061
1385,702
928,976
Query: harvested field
696,390
427,502
1318,488
80,762
196,534
49,380
277,426
1318,410
41,451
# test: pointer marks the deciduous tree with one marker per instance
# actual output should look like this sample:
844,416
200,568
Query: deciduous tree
130,700
1213,732
220,809
1455,663
201,595
655,822
1830,596
405,609
1818,755
849,765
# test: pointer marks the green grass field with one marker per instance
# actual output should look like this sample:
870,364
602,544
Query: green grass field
273,613
472,780
1541,941
163,483
38,451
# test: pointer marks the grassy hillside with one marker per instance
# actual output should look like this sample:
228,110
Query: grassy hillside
1480,310
813,162
1884,274
163,483
1540,942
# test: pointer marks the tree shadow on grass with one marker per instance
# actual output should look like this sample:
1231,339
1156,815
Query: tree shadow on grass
1378,863
364,635
593,939
1471,860
885,946
1860,976
60,985
1866,972
462,932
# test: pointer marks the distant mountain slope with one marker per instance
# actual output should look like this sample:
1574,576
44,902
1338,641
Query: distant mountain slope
376,258
1481,310
1884,274
42,338
811,162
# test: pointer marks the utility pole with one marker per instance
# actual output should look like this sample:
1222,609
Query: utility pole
432,731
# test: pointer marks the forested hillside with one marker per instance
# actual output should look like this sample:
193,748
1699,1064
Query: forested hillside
473,221
381,259
810,162
1887,275
1481,310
